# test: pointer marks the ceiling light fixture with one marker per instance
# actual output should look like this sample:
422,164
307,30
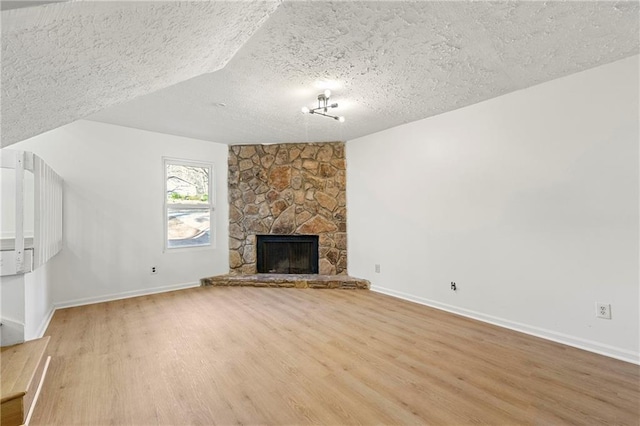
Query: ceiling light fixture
323,107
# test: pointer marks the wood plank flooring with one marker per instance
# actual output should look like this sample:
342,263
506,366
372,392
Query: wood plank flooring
22,369
242,355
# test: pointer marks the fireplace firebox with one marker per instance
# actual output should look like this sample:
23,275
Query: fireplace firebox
287,254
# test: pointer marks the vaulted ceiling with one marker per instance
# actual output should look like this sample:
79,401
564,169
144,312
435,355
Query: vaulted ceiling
239,72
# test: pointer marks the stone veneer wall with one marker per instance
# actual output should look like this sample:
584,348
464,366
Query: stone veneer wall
288,189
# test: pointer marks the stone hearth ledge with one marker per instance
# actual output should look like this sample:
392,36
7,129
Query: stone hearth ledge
287,280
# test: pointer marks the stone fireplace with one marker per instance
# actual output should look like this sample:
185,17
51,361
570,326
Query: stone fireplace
288,189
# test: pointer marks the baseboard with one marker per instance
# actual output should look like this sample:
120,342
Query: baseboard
45,323
124,295
577,342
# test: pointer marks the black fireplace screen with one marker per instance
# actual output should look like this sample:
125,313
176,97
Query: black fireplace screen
287,254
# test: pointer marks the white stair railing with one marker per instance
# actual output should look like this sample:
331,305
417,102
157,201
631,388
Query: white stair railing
18,255
47,238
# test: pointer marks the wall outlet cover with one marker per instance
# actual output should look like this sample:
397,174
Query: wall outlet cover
603,310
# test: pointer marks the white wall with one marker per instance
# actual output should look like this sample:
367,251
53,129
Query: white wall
38,302
26,305
113,212
12,309
529,202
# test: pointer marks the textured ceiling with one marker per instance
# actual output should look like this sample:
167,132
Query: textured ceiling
16,4
388,63
64,61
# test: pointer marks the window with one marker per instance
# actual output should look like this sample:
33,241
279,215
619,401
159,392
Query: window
188,203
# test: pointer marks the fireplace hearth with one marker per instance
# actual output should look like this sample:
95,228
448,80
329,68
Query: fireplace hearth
287,254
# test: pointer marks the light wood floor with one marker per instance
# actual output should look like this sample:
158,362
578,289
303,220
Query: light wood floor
331,357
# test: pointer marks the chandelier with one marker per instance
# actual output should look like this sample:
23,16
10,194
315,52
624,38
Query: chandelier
323,107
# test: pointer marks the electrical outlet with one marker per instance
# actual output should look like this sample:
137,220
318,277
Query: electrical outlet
154,270
603,310
377,268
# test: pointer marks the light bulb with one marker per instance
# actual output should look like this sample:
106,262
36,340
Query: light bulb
327,93
341,119
305,110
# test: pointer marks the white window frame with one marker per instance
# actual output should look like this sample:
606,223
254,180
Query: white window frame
166,205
